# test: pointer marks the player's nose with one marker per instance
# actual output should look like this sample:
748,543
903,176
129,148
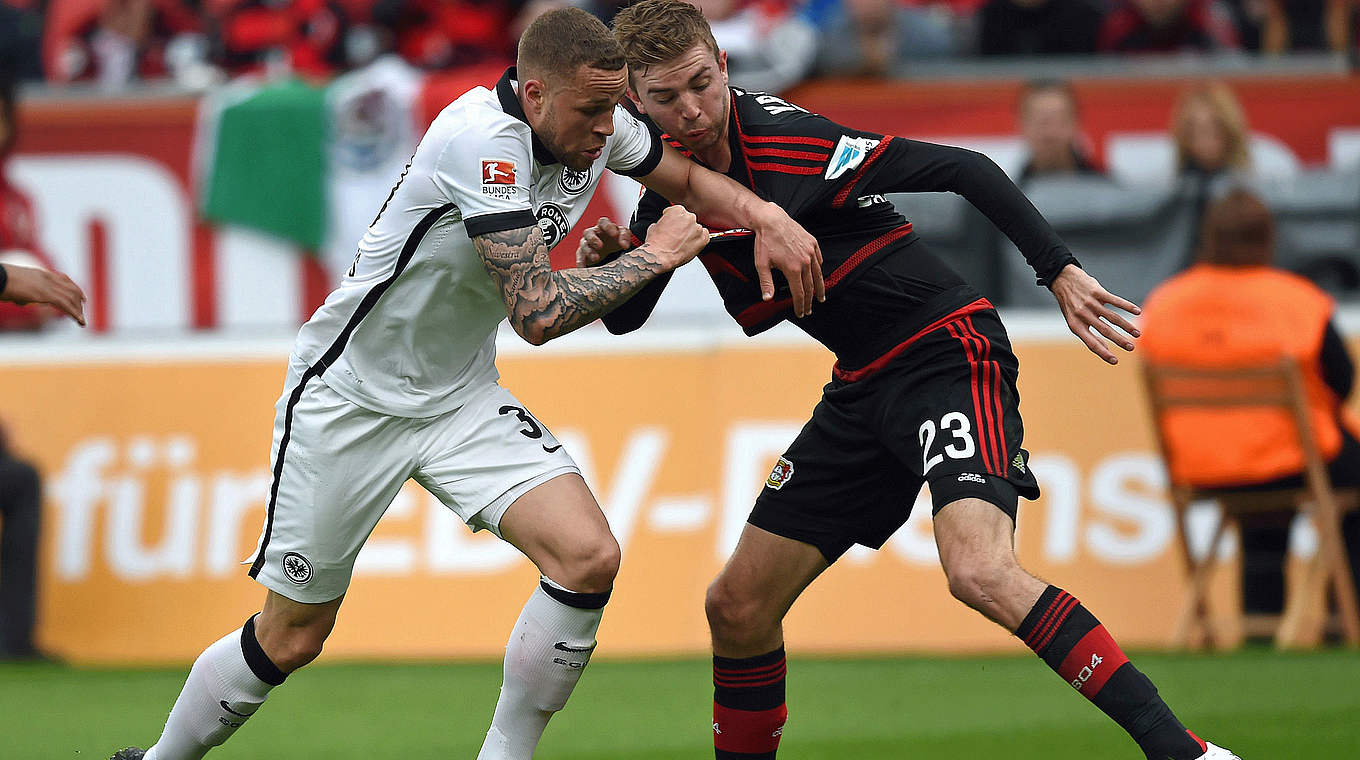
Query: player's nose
605,126
689,108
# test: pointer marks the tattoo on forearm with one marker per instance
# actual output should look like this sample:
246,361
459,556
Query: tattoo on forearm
544,304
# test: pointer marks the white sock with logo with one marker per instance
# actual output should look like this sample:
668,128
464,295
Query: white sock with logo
221,692
549,647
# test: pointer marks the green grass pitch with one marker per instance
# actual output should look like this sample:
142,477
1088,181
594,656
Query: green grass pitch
1262,704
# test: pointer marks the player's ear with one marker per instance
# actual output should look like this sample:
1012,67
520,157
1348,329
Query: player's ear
635,100
722,64
535,93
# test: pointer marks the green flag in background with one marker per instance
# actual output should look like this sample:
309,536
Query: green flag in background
265,160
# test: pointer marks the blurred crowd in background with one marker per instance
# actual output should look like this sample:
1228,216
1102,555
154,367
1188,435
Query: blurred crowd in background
772,43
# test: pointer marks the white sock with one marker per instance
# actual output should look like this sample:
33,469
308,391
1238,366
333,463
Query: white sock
549,647
222,690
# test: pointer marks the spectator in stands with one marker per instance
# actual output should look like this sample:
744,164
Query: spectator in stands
1168,26
1050,124
114,42
21,23
1210,132
1234,308
877,38
306,36
442,34
1039,27
1297,25
770,45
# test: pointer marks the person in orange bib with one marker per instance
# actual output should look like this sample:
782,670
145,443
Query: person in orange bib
1233,308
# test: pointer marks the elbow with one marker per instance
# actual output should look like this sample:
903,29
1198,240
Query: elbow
533,333
974,161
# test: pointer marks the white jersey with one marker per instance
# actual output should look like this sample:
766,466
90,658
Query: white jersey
411,330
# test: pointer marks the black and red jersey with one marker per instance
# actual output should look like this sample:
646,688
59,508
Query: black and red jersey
881,287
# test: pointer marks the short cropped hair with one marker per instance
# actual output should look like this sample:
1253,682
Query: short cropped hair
1238,231
561,41
655,31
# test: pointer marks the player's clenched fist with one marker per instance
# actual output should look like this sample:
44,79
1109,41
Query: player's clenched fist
602,241
676,237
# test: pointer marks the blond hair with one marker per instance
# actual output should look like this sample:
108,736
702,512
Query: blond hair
655,31
1227,114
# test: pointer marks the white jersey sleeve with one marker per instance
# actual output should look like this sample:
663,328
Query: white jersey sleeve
633,150
485,168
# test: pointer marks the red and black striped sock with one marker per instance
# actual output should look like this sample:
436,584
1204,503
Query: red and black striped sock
748,706
1070,639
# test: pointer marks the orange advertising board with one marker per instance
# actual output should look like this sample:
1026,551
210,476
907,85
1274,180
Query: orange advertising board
156,472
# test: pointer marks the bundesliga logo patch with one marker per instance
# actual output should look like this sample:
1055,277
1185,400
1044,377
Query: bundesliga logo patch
498,172
498,179
781,474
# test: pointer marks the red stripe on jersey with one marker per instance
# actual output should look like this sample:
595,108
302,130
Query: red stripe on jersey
674,143
791,139
866,251
783,168
990,371
736,121
782,153
1092,661
853,375
969,350
754,732
844,194
763,310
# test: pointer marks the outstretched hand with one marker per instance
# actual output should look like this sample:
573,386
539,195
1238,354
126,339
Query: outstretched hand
1087,308
32,285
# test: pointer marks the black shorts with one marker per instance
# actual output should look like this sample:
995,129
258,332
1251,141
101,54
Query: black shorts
942,409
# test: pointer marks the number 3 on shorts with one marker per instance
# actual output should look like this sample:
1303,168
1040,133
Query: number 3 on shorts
953,422
532,430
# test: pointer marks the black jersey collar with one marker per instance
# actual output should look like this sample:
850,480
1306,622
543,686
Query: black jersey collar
505,90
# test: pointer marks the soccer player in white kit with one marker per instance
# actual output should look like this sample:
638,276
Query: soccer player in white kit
394,377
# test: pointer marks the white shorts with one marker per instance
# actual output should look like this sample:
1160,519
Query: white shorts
337,466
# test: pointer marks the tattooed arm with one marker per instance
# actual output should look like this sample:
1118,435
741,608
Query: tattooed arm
542,304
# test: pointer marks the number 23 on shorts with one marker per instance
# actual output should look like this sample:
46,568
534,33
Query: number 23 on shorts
959,446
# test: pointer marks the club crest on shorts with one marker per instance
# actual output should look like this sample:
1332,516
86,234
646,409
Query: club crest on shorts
781,474
297,568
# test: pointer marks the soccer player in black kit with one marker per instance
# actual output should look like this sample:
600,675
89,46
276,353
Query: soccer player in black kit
923,389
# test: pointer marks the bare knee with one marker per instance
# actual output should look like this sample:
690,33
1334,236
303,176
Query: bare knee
591,566
980,582
734,614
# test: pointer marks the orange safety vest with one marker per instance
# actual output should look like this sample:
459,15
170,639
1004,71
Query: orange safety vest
1220,317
